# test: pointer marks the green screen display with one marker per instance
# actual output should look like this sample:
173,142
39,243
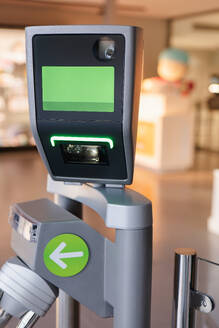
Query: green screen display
78,88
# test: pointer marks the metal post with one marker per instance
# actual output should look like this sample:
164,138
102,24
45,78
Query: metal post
4,318
28,320
67,312
133,278
184,283
110,12
67,309
128,261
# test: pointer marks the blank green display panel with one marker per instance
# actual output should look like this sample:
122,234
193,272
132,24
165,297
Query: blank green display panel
78,88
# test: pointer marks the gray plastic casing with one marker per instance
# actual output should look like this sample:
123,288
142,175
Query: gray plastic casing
117,279
132,84
87,287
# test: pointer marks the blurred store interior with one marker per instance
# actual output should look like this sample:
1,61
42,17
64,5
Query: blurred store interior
178,137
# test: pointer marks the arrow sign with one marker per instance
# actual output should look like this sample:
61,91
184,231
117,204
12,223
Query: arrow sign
56,256
66,255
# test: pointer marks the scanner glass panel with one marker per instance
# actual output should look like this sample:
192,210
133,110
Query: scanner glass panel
78,88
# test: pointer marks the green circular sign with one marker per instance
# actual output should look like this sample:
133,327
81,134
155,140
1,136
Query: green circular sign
66,255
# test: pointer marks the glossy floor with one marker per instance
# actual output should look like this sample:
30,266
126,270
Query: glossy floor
181,203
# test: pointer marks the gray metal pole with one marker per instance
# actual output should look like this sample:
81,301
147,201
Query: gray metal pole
4,318
184,282
128,266
133,278
28,320
67,312
110,12
67,309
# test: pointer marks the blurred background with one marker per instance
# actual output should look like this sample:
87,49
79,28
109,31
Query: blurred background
192,27
178,135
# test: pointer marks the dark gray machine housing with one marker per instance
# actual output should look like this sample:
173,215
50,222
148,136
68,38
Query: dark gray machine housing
50,45
33,229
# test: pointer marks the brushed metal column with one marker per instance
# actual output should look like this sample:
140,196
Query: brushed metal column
184,282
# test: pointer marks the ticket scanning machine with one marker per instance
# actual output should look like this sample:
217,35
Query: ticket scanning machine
84,86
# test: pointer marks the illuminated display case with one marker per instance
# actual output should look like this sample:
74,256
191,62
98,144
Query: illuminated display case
14,118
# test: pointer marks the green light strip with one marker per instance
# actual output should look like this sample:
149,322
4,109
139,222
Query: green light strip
53,139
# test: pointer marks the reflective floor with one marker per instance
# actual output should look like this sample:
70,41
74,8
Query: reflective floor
181,202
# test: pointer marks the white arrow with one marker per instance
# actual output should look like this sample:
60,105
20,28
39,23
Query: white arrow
56,256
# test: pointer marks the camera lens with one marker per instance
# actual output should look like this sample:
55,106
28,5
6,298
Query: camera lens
106,49
109,52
